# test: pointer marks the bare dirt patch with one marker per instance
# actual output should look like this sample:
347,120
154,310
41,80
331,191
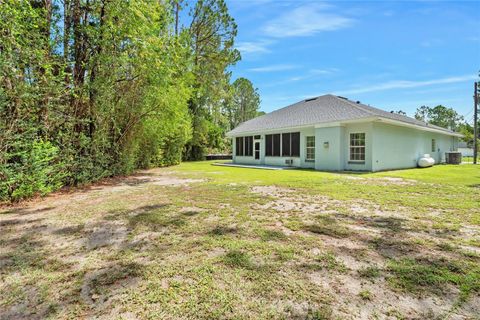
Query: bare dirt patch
165,244
372,236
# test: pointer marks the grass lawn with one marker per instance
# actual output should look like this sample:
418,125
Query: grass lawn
470,159
197,241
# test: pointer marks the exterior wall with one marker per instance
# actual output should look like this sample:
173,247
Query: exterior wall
396,147
331,157
386,147
277,161
336,156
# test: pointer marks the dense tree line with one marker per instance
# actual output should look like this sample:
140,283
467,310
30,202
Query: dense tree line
447,118
95,88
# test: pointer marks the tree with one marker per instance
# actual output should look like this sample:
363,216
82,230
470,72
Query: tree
440,116
103,95
244,103
96,88
212,32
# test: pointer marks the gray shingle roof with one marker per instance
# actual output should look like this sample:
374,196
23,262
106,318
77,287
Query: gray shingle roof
323,109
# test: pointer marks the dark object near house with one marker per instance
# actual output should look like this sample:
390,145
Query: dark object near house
219,157
453,157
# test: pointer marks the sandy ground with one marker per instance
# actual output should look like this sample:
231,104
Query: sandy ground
65,231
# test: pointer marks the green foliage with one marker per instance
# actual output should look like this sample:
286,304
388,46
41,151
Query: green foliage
211,37
467,130
244,104
30,169
440,116
90,89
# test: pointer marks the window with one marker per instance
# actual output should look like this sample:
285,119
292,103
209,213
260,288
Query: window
310,144
272,145
291,144
256,137
239,146
244,146
434,145
357,147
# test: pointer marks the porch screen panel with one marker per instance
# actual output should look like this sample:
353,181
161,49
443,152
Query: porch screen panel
268,145
237,146
291,144
285,144
249,146
295,144
276,145
240,146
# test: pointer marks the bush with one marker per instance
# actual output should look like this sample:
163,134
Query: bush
29,170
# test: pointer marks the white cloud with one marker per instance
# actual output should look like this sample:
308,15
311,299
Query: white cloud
307,75
306,20
312,73
431,43
405,84
273,68
254,47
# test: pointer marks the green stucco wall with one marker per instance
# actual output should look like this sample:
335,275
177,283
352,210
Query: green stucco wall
329,148
397,147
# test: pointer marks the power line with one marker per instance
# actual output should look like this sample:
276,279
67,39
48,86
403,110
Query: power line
466,115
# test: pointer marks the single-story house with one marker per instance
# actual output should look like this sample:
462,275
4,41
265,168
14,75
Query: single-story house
333,133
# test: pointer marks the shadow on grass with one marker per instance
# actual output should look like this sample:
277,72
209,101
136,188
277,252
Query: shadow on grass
37,271
223,230
18,222
160,216
99,284
24,211
433,274
328,226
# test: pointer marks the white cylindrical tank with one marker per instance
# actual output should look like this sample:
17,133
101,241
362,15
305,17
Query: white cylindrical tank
426,161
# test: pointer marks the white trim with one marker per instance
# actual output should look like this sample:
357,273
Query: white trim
350,146
409,125
307,148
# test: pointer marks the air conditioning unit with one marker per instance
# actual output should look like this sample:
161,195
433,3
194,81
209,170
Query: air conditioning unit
289,162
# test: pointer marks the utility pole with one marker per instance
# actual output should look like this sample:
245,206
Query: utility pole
475,122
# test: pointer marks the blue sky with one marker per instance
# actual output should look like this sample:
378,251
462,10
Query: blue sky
392,55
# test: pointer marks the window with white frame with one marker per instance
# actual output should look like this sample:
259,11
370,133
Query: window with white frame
310,145
434,145
357,147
